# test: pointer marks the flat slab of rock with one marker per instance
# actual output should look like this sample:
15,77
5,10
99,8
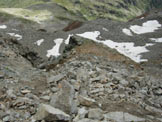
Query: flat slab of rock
86,101
123,117
49,113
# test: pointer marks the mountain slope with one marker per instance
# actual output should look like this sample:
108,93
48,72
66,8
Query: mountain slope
122,10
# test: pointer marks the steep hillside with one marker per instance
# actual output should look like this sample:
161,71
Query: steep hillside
104,71
117,10
121,10
69,61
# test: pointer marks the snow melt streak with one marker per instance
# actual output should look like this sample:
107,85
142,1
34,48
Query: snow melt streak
39,42
55,50
3,26
158,40
126,48
19,37
127,32
68,39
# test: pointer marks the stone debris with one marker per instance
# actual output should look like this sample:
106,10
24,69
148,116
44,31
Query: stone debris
123,117
49,113
47,98
55,78
64,99
82,112
96,114
81,88
86,101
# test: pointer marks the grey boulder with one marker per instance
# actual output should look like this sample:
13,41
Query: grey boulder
49,113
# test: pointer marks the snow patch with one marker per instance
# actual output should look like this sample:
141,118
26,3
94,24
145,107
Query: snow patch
126,48
105,29
142,17
19,37
3,26
90,35
158,40
68,39
127,32
147,27
39,42
15,29
55,50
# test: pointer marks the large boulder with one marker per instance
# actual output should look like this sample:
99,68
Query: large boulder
64,99
50,114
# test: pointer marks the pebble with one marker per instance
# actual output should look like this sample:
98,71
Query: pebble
25,91
47,98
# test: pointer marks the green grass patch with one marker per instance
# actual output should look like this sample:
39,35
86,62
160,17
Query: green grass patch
18,3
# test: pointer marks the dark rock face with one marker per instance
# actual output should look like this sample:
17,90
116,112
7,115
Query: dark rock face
156,3
24,51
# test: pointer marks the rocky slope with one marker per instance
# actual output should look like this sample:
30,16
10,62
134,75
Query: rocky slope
92,85
84,71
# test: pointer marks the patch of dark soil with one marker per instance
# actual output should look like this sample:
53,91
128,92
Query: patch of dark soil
42,30
73,25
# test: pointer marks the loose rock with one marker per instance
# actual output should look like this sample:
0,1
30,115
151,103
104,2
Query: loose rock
64,99
49,113
96,114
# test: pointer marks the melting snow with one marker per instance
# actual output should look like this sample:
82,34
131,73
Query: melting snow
142,17
126,48
3,26
90,35
127,32
19,37
39,42
55,50
15,29
68,39
105,29
158,40
149,26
